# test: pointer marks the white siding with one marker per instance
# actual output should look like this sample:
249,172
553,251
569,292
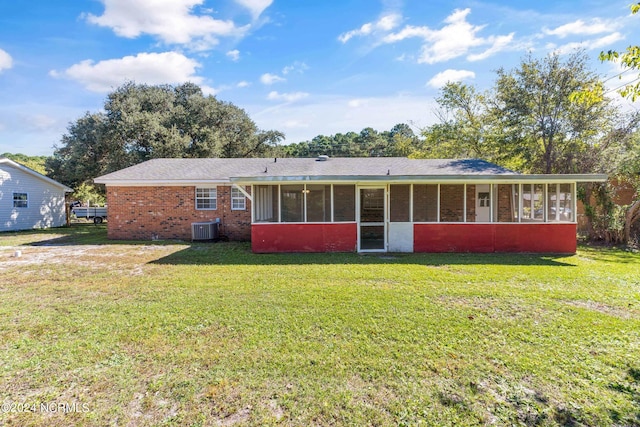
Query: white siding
46,201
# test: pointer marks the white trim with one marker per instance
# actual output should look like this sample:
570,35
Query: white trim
13,200
438,203
410,202
372,224
215,199
243,198
464,203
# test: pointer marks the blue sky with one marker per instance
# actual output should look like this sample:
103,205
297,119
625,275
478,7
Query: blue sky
303,67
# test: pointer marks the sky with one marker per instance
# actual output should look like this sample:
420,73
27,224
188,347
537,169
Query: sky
303,67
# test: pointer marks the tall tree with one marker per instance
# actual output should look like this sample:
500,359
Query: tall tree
466,126
142,122
540,116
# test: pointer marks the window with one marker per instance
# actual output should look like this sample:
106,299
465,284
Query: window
484,200
507,202
20,200
425,202
291,200
373,200
266,203
238,200
318,203
452,203
344,203
560,202
206,198
532,202
400,203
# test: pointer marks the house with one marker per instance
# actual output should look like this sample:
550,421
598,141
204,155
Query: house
348,204
29,199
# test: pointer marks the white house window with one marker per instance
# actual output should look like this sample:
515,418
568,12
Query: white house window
484,200
20,200
206,198
238,200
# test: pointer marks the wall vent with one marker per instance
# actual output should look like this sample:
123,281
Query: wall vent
204,231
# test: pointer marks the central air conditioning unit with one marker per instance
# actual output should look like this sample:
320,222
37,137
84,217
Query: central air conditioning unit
204,230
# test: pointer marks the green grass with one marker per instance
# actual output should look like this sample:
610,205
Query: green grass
173,333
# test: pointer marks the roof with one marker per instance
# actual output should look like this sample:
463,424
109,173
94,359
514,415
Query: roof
253,170
4,160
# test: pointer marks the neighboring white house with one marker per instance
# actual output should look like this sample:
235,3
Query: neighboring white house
29,199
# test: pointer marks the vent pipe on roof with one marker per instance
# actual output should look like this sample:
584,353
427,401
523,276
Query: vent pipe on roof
322,158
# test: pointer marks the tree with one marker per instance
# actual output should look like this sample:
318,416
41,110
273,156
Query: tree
142,122
629,59
542,120
466,126
86,151
35,163
399,141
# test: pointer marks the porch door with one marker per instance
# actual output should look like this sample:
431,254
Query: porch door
372,224
483,203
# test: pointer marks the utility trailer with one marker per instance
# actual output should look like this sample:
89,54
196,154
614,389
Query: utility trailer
98,214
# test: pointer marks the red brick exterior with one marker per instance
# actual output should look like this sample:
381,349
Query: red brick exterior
145,213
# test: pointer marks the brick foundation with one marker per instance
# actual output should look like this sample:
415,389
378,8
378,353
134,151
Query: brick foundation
145,213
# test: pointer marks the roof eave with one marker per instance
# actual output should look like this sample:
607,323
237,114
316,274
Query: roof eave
505,178
159,182
36,174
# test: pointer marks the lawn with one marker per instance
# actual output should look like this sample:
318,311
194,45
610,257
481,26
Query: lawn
94,332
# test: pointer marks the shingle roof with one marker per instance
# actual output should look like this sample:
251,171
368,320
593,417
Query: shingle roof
201,170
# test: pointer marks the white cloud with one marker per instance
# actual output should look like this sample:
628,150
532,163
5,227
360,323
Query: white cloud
499,44
6,61
581,28
243,84
456,38
447,76
298,67
149,68
256,7
591,44
287,97
269,79
234,55
173,21
384,24
357,103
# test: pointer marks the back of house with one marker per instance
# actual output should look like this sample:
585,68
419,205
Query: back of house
383,204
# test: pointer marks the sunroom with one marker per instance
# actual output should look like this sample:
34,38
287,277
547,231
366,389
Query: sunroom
520,213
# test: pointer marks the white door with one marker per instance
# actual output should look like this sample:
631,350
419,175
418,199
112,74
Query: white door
483,203
372,225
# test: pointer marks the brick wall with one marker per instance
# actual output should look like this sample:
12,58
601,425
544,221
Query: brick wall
506,209
145,213
452,203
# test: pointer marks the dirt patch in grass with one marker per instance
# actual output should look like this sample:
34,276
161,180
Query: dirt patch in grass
621,313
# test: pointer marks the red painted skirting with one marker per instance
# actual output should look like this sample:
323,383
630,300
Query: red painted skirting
337,237
525,237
